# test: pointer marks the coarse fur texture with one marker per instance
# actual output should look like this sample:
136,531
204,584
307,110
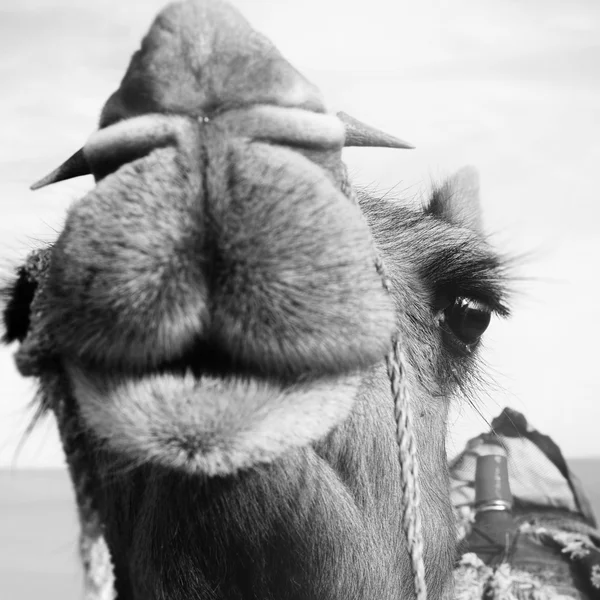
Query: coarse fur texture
213,309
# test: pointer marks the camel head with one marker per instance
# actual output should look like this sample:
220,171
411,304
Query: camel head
215,315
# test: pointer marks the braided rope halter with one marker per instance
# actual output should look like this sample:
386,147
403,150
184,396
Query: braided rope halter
99,580
411,492
407,451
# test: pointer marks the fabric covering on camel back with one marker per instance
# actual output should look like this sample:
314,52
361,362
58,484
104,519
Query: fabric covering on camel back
554,550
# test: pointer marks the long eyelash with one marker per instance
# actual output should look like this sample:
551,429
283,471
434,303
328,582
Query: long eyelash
464,271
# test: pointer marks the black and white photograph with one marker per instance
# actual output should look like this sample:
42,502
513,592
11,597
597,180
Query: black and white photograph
299,300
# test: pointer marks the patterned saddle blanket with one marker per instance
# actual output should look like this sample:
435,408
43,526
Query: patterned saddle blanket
555,552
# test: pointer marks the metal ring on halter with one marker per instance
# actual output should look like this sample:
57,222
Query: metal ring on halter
495,505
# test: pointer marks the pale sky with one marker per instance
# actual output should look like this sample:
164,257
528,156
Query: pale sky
511,87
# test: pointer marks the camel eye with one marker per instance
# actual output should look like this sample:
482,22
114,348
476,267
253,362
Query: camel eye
465,318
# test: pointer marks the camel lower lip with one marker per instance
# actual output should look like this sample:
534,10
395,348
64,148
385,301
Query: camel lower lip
207,424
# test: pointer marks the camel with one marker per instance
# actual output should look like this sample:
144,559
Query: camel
212,324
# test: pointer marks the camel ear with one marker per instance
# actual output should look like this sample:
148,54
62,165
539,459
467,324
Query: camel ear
457,200
19,296
360,134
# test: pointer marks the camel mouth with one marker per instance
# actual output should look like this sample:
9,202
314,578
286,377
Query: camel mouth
220,361
205,420
202,359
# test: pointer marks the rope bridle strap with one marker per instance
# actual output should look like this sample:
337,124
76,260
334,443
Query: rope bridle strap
407,451
407,455
411,493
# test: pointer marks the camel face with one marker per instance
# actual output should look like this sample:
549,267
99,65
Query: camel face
214,311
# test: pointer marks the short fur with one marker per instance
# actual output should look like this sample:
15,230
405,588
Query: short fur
215,307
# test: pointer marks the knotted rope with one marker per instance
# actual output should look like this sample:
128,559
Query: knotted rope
411,493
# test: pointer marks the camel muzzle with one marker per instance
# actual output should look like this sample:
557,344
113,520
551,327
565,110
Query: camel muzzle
214,296
220,277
